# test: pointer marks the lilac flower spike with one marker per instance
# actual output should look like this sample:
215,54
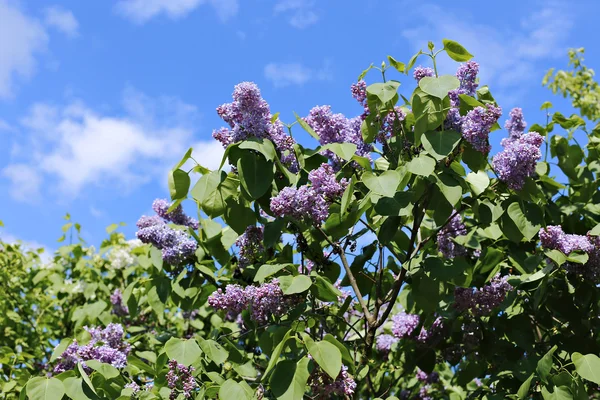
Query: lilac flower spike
482,301
421,72
477,125
518,159
404,324
446,245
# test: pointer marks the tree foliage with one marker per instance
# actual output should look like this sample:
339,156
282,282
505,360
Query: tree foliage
397,259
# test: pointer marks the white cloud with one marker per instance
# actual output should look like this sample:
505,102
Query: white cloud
21,39
63,20
141,11
25,181
286,74
300,13
76,147
508,58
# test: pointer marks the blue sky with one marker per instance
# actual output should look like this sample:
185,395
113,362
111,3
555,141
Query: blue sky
98,99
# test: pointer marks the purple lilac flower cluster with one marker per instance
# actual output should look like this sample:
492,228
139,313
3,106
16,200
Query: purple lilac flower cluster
106,345
249,116
518,159
423,376
384,343
323,387
251,246
554,238
119,308
515,124
467,76
477,125
311,202
391,120
262,301
482,301
180,378
177,216
421,72
521,152
134,387
336,128
177,246
446,245
359,93
404,324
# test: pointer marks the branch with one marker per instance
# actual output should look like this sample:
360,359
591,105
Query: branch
350,275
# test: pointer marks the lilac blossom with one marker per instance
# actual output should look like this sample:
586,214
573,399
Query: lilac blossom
446,245
384,343
390,124
421,72
178,247
262,301
518,159
180,378
516,124
482,301
433,334
336,128
303,202
359,93
554,238
477,125
404,324
323,387
467,77
177,216
251,246
423,376
106,345
119,308
310,202
249,116
134,387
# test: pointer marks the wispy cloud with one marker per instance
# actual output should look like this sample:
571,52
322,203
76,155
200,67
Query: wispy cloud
286,74
22,38
141,11
63,20
300,13
508,57
75,147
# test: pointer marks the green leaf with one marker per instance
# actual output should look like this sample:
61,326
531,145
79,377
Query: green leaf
325,290
456,51
439,144
422,165
385,184
544,365
439,87
527,223
185,352
400,67
399,205
347,197
546,105
588,366
106,370
296,284
346,356
344,150
45,389
85,377
74,388
384,91
277,352
256,174
364,73
579,258
230,389
179,184
478,181
595,231
267,270
307,127
58,350
524,388
289,379
326,354
263,146
214,351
